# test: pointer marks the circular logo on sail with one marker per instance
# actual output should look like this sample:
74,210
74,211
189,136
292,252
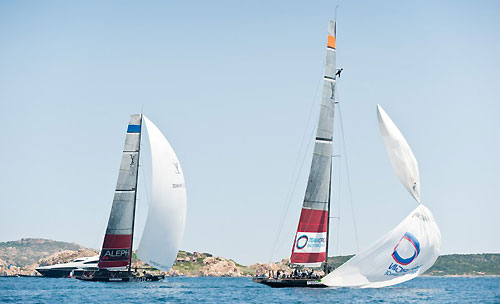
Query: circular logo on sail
302,241
407,249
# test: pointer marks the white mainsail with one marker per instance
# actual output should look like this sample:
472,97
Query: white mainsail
402,159
409,249
166,217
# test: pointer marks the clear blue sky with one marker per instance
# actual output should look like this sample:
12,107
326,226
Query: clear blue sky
231,84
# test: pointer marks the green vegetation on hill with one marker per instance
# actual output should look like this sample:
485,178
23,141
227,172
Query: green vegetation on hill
188,263
466,264
28,251
193,264
336,261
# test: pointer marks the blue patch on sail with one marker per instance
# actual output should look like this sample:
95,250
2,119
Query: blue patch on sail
134,129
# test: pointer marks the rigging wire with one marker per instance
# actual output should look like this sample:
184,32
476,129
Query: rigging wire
339,196
296,174
141,209
349,189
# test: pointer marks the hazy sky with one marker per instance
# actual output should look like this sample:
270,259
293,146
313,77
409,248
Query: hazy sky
231,84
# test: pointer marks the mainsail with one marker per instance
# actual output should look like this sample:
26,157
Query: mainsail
310,244
117,246
409,249
164,228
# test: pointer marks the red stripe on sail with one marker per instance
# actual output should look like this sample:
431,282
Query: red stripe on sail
300,258
112,264
117,241
313,220
115,251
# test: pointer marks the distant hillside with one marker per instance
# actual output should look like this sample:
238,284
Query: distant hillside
28,251
204,264
452,264
336,261
27,254
466,264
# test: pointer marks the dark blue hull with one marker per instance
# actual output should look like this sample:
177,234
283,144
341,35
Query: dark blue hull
282,283
56,273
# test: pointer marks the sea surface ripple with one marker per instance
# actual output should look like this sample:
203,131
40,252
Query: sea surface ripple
243,290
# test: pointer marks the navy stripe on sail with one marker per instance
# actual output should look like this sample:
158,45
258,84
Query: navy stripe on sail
134,129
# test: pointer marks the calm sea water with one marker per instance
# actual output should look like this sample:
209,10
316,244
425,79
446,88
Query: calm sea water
243,290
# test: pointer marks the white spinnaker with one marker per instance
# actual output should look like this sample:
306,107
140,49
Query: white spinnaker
402,159
166,218
401,255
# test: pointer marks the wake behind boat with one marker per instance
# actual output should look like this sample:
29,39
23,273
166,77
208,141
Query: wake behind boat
164,226
402,254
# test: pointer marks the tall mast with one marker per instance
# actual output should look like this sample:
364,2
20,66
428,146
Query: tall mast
311,241
135,195
332,98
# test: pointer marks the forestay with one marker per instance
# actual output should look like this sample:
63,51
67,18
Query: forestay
165,222
401,255
402,159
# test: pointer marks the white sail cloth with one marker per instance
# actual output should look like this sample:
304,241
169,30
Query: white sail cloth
402,159
401,255
166,218
409,249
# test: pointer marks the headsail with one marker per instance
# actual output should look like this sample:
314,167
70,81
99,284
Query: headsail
164,228
402,159
310,244
117,244
409,249
401,255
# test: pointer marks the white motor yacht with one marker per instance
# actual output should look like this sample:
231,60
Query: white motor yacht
63,270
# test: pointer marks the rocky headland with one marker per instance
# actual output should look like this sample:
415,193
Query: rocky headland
24,256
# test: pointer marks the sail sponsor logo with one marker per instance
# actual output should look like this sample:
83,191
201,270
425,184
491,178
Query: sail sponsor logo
398,270
409,247
302,241
115,254
176,168
310,242
405,252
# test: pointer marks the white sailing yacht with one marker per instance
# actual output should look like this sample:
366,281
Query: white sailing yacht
165,221
405,252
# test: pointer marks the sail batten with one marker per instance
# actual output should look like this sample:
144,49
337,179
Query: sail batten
310,243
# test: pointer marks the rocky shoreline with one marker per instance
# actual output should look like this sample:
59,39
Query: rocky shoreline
187,264
63,256
24,256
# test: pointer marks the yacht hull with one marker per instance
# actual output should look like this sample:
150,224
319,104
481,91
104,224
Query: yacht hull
114,276
282,283
56,273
